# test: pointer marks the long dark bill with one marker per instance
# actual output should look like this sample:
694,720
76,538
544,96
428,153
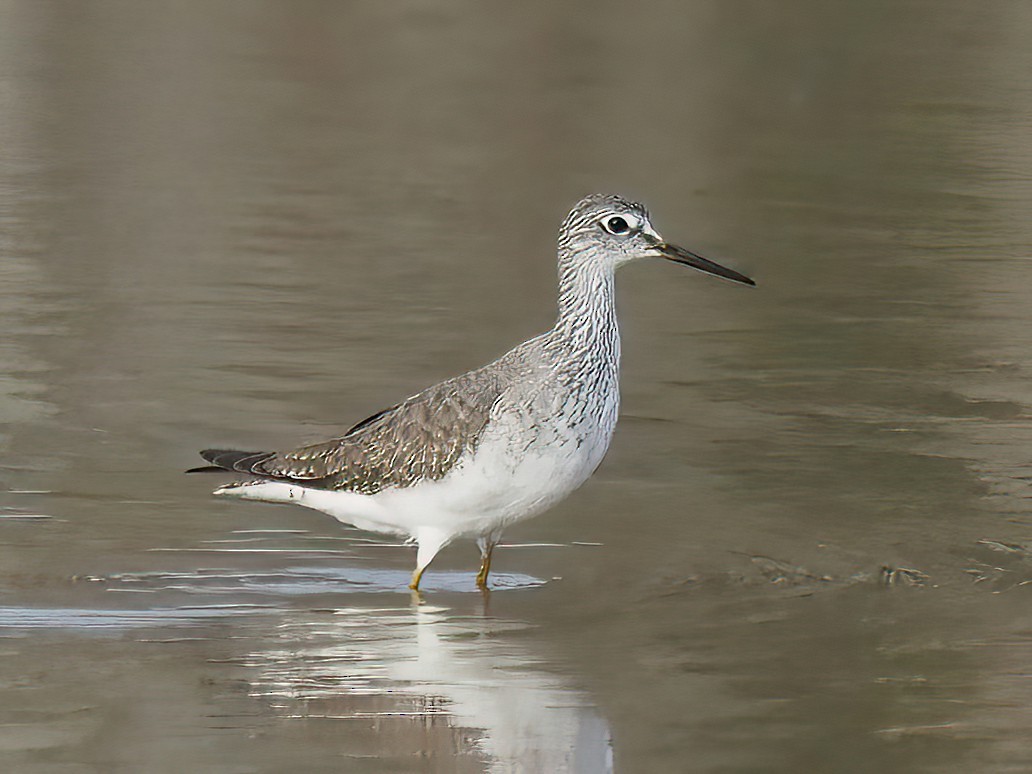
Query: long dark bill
680,255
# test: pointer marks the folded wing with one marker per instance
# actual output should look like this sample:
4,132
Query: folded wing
421,438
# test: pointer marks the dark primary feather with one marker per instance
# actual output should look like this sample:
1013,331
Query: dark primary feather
420,438
232,459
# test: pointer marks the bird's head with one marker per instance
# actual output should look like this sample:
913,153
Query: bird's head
610,229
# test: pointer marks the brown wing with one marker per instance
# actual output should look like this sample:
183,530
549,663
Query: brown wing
421,438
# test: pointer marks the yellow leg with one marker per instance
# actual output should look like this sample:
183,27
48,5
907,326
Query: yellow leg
485,566
416,576
430,540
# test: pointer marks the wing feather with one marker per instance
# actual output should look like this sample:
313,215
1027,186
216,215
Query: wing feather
420,438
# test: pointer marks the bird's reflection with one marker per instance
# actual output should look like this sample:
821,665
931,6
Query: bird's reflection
434,682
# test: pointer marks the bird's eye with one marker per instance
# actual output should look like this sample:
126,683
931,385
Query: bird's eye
616,225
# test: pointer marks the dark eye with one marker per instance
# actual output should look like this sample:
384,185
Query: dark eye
616,225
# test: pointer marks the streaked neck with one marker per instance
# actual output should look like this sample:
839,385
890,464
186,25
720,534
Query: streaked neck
587,306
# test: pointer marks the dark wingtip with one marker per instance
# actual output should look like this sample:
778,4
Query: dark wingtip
230,459
206,469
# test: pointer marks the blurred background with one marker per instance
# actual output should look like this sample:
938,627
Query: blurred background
253,224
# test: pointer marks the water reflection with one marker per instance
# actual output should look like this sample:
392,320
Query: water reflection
405,679
445,682
414,682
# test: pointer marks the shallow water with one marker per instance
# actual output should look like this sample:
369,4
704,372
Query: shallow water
810,547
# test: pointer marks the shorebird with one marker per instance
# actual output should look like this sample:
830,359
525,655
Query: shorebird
473,454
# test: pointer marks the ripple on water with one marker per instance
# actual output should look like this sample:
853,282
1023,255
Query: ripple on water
17,618
302,581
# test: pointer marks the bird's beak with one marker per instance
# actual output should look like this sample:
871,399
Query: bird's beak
688,258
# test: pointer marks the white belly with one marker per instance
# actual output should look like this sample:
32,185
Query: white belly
499,485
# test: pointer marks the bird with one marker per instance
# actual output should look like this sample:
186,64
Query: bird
470,456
